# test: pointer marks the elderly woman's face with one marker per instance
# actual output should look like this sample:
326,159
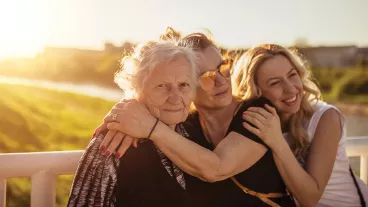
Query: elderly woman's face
169,90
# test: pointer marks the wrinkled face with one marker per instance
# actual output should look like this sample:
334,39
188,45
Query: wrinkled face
279,82
169,90
219,95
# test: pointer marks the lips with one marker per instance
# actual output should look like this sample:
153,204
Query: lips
173,110
222,92
291,100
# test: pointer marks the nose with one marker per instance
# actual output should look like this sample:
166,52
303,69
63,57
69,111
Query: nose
289,87
220,80
175,97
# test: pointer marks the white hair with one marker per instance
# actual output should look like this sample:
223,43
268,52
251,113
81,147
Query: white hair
146,57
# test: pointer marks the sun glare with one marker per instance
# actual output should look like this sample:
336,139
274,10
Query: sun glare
22,28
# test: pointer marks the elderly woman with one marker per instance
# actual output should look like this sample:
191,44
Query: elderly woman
162,76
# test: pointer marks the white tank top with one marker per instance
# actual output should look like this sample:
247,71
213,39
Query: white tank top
340,189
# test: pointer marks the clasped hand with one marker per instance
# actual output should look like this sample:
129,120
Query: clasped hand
127,122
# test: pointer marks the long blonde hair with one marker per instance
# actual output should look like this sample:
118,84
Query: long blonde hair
244,86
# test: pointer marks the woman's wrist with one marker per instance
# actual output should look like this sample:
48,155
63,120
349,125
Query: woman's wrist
153,128
159,132
280,145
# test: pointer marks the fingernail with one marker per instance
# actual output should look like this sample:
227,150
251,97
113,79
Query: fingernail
117,155
107,153
102,148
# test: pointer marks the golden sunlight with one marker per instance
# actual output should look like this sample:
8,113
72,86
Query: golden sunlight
22,24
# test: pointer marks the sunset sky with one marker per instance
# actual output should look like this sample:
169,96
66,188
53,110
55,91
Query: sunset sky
29,25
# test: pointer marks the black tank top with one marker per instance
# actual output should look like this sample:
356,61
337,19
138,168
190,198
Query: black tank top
262,177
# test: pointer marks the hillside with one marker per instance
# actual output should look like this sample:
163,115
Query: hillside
34,119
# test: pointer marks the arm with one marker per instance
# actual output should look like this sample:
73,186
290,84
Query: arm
234,154
92,175
308,185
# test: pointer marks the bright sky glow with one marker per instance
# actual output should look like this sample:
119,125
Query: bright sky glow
27,26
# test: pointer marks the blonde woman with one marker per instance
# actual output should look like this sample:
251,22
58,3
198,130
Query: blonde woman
315,167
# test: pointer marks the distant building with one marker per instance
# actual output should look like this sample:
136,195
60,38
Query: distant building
363,57
335,57
317,57
330,57
125,47
67,53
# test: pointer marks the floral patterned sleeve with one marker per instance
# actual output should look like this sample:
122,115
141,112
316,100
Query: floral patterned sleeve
95,179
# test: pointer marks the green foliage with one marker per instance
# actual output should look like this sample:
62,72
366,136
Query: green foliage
98,67
35,119
343,85
95,68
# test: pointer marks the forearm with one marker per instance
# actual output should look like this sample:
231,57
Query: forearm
302,185
189,156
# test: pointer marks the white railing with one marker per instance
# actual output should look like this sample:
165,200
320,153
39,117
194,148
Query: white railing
358,146
43,167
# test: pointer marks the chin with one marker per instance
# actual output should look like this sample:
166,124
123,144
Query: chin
224,99
290,111
170,122
173,120
223,103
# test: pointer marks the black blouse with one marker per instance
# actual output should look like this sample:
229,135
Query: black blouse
262,177
144,181
146,177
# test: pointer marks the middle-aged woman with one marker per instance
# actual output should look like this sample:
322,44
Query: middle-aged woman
161,75
218,146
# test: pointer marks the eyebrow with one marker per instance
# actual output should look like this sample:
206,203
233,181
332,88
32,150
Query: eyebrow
290,71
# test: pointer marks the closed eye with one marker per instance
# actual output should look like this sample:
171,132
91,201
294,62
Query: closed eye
275,83
293,74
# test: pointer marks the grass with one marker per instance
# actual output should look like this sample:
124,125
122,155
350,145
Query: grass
35,119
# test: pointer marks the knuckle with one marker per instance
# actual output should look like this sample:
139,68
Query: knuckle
103,143
110,147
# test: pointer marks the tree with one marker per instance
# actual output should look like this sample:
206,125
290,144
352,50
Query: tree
301,42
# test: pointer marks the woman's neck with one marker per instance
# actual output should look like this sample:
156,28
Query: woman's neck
285,119
215,122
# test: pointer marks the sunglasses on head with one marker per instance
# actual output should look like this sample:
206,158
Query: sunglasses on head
207,79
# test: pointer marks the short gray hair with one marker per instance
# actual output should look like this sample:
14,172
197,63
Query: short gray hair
145,58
